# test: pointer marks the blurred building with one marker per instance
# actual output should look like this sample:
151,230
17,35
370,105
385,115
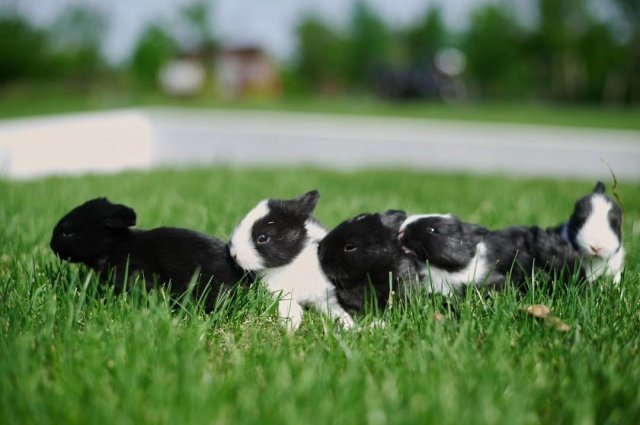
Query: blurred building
246,71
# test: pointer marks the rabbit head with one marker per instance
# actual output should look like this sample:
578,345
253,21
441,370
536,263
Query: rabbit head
275,231
90,230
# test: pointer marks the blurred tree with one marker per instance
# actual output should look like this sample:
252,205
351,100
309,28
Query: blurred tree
155,48
494,47
321,56
560,73
76,39
604,60
201,36
630,11
369,45
426,37
23,53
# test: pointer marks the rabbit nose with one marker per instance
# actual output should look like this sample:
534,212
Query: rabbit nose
595,249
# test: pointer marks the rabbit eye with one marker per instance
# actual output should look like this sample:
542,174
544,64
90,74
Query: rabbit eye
431,230
349,248
262,239
67,234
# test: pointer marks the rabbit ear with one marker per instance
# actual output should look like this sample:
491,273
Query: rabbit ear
393,219
599,188
303,204
120,217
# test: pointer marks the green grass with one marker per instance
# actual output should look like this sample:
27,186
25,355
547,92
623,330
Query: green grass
22,103
71,352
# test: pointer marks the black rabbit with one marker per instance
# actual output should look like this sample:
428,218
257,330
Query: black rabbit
364,259
456,254
99,235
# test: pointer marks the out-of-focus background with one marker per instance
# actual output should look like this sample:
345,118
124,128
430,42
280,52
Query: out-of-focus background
571,63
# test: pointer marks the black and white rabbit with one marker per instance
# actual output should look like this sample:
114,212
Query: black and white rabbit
455,253
595,231
278,239
99,235
365,261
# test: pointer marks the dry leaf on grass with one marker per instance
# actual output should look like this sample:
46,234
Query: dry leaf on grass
438,317
538,310
541,311
562,326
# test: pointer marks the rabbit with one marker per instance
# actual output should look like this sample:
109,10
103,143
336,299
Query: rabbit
595,231
363,254
456,254
99,235
451,252
278,240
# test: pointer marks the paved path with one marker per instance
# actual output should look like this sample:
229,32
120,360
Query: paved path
115,140
338,141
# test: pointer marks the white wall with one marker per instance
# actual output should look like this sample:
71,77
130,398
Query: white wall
74,144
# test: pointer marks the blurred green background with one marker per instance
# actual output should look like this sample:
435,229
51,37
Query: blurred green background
572,54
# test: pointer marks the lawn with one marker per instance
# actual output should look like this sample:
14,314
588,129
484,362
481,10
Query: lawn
22,103
71,352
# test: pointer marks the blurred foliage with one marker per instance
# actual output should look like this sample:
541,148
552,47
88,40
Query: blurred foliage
155,48
493,45
197,19
68,52
568,54
322,56
369,44
75,43
426,37
157,45
630,14
23,51
604,60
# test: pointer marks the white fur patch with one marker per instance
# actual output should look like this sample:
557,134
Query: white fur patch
413,218
596,231
241,246
302,283
315,231
445,282
595,266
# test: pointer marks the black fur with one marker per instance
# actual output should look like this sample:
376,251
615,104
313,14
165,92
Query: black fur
449,244
446,242
98,234
517,250
281,235
360,254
